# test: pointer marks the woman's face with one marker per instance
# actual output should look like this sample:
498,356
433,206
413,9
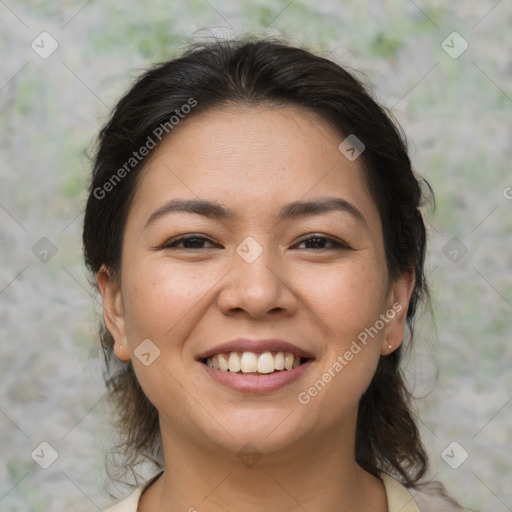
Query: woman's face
260,264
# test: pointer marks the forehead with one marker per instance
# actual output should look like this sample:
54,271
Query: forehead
255,158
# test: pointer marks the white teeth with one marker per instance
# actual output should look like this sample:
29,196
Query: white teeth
223,362
279,361
266,363
288,360
250,362
234,362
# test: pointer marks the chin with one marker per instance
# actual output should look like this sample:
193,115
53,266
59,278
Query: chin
265,430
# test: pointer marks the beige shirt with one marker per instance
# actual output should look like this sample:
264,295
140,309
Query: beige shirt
399,498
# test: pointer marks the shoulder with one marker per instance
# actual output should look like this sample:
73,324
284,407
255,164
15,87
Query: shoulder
426,497
131,503
432,496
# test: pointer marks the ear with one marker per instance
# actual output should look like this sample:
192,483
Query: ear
396,312
113,311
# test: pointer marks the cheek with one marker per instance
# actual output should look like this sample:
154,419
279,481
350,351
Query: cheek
163,299
348,299
159,306
349,303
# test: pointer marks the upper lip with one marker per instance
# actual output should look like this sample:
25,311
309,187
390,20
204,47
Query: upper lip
257,346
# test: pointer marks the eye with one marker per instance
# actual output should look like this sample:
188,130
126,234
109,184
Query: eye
194,242
319,242
189,242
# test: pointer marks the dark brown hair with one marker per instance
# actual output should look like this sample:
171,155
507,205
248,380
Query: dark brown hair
252,71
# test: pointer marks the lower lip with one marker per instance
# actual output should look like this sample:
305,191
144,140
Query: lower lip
257,383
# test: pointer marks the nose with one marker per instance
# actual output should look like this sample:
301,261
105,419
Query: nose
261,288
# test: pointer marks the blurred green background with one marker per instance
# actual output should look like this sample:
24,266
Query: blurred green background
455,104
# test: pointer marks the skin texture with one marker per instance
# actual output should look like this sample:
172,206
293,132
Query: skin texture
185,300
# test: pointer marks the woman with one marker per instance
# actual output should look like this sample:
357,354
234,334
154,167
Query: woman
253,225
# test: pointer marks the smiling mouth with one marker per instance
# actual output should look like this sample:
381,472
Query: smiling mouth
263,363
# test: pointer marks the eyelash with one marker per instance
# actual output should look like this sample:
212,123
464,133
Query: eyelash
337,244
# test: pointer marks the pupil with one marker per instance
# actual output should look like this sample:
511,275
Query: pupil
317,242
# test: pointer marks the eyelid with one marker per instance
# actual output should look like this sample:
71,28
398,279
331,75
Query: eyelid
336,242
183,238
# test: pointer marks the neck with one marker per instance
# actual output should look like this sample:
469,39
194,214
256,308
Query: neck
316,474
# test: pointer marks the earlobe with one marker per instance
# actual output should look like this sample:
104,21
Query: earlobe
113,310
398,304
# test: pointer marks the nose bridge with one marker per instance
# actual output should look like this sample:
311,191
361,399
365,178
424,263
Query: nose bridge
256,263
256,285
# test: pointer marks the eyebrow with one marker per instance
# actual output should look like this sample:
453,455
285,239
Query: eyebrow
294,210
